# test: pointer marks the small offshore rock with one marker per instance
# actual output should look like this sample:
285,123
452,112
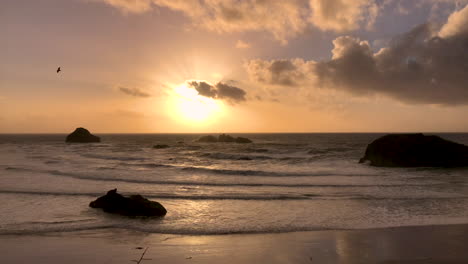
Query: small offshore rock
223,138
208,139
82,135
243,140
226,138
160,146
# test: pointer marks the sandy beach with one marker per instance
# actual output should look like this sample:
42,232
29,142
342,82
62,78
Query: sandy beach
424,244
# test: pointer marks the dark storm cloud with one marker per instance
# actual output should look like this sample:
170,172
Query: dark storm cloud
133,92
424,65
219,91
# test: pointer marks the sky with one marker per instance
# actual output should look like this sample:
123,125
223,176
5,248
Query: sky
220,66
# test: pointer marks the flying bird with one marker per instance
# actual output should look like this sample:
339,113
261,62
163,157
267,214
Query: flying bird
58,70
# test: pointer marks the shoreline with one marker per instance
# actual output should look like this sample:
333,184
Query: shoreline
410,245
98,230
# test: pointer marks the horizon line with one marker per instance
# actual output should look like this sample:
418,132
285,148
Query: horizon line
190,133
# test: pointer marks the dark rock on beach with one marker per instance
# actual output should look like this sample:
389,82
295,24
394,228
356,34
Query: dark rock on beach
82,135
134,205
224,138
415,150
160,146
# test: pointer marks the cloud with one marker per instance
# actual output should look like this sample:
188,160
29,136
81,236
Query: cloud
133,92
283,19
279,72
204,89
242,45
342,15
230,92
457,24
219,91
133,6
425,65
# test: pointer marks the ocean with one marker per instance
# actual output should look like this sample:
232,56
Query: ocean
279,183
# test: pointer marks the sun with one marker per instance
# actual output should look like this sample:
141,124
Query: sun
192,107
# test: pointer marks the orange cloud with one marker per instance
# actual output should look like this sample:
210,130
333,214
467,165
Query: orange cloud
283,19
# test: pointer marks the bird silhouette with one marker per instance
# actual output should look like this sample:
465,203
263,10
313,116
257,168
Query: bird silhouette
58,70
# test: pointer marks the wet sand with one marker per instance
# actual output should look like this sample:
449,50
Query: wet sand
406,245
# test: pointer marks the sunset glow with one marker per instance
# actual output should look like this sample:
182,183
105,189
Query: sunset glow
154,66
191,107
234,131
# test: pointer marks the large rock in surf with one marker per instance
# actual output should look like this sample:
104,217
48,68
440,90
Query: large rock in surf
134,205
415,150
82,135
224,138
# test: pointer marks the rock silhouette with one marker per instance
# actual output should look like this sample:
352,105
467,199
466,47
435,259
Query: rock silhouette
208,139
134,205
160,146
224,138
82,135
243,140
415,150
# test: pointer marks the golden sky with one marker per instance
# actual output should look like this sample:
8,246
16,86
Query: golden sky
163,66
